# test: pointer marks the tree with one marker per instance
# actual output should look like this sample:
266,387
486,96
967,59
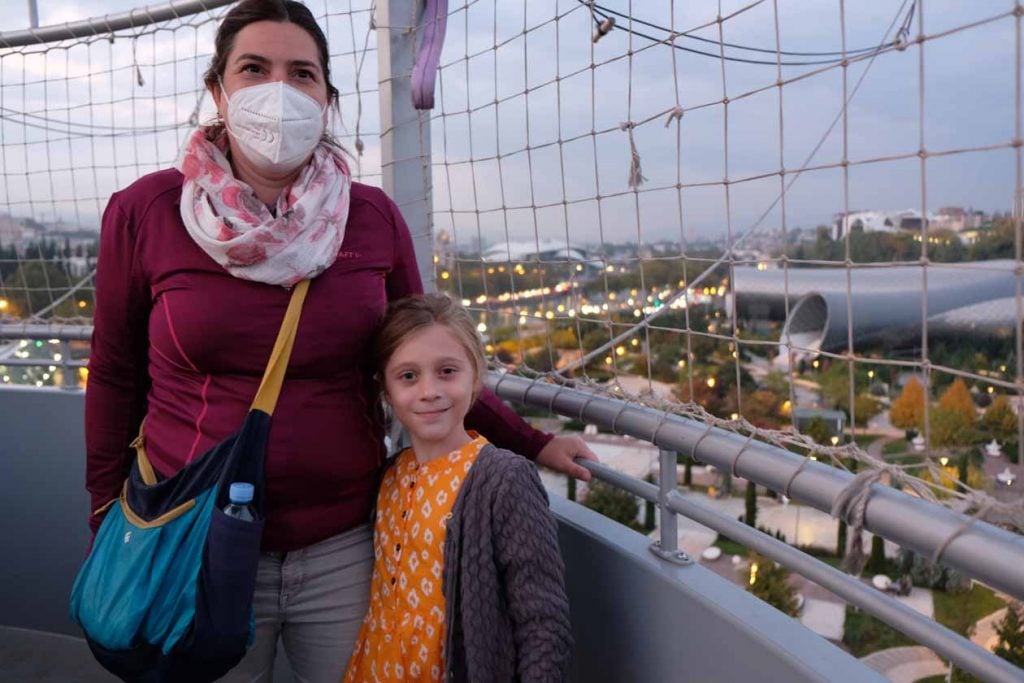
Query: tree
1011,635
750,514
613,503
877,563
949,427
818,430
907,410
687,463
865,408
761,408
770,582
957,398
999,420
37,284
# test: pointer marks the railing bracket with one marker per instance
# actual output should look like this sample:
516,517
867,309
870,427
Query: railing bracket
679,557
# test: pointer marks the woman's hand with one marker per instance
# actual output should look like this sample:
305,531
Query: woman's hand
559,454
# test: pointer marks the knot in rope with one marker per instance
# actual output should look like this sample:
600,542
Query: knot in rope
676,113
849,506
604,28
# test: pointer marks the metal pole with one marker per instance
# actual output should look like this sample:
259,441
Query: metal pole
405,131
20,330
69,373
33,14
668,544
140,16
666,484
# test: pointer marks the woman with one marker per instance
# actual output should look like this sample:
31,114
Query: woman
195,265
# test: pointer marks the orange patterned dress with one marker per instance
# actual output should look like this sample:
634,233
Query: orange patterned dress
402,636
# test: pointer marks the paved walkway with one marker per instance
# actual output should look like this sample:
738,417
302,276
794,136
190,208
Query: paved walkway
985,630
824,617
906,664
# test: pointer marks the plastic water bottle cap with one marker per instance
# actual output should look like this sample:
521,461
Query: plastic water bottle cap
241,493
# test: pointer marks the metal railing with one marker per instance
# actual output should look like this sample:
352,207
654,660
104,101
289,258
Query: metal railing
981,550
140,16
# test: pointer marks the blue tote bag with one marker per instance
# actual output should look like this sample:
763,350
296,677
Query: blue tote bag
166,591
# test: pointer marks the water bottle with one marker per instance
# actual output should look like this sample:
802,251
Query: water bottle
240,495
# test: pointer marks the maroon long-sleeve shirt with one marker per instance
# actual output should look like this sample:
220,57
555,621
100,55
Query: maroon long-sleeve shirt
181,343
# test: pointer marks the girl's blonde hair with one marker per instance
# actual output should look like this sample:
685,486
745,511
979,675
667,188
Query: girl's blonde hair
405,317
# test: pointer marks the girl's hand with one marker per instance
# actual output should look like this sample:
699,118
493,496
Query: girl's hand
559,454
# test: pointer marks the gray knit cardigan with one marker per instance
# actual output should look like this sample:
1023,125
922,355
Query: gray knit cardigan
506,611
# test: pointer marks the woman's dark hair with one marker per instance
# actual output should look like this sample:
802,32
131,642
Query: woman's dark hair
250,11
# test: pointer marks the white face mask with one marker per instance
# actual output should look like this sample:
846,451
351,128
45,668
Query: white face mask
275,126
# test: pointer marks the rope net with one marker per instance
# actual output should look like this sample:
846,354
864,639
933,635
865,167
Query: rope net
763,216
82,118
798,221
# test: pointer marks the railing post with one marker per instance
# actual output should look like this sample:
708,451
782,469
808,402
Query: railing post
667,545
405,131
68,373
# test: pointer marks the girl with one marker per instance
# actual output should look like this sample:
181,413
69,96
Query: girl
467,583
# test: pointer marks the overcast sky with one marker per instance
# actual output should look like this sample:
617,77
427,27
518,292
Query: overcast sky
969,90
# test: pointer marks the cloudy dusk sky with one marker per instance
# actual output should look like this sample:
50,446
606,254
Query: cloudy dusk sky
523,122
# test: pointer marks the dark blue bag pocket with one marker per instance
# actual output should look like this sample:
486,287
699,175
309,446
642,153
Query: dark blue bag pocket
141,664
227,581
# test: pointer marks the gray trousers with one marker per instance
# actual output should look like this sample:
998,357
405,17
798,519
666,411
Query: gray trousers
313,600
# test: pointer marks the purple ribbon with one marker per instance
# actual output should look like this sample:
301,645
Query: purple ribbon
433,22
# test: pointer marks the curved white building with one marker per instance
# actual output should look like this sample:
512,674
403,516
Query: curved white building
878,300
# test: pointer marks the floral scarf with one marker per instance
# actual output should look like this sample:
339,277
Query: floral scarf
229,222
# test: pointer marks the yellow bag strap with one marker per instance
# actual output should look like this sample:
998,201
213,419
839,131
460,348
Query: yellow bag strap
266,396
273,377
